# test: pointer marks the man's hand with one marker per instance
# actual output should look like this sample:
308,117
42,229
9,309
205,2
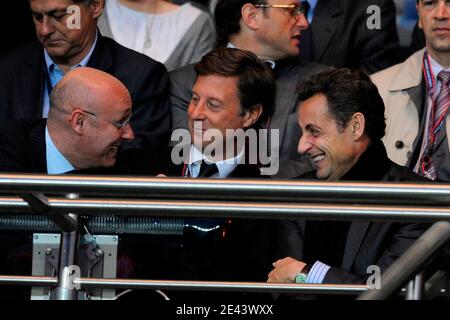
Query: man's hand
285,270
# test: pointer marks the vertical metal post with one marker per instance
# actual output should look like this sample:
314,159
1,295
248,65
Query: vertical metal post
410,290
414,289
418,287
67,268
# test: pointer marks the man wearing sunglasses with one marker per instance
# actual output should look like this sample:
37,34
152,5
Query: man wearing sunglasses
272,30
87,123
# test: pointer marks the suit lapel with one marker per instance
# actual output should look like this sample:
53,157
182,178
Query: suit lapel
324,26
416,94
355,237
37,146
32,79
285,100
101,58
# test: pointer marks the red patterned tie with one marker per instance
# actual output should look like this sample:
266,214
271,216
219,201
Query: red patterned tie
441,104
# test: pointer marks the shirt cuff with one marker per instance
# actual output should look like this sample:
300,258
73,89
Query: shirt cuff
317,272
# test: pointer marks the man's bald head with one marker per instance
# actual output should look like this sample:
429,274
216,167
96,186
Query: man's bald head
89,117
86,88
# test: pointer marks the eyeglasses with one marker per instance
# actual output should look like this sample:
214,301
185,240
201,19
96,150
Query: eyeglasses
117,124
294,9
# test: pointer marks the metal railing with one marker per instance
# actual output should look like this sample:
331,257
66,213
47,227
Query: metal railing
411,263
216,198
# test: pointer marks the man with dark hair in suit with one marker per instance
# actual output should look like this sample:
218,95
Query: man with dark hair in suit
232,95
342,118
68,38
273,33
233,91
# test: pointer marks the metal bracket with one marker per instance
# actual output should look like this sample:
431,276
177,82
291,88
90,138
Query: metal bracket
39,203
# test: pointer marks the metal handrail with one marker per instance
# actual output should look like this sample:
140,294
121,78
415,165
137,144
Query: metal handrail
157,208
188,285
428,200
230,189
411,262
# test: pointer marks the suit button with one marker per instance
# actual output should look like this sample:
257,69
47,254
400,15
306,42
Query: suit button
399,144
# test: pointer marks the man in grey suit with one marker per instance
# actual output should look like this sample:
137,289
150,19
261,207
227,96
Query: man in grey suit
272,31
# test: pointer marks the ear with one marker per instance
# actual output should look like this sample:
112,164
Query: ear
77,121
419,20
97,7
249,16
252,116
358,125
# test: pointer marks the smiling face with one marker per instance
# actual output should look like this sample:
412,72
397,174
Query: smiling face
215,104
280,30
434,19
102,137
331,147
51,21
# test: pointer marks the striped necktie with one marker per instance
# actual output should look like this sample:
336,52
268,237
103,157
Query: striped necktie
441,105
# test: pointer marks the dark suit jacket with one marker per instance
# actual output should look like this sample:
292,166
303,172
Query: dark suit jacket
289,74
243,250
341,37
22,146
367,243
23,150
22,78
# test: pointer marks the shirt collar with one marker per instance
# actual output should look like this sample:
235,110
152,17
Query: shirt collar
271,62
312,7
312,4
83,63
436,67
225,167
56,162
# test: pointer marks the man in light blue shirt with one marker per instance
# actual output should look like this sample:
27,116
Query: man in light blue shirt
68,38
87,123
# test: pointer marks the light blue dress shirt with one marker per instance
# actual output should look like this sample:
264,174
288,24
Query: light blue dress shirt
317,272
56,74
312,7
56,162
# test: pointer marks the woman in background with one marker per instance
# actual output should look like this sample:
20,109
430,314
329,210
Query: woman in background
172,34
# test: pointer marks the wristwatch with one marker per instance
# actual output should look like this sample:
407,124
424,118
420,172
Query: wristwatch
303,274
